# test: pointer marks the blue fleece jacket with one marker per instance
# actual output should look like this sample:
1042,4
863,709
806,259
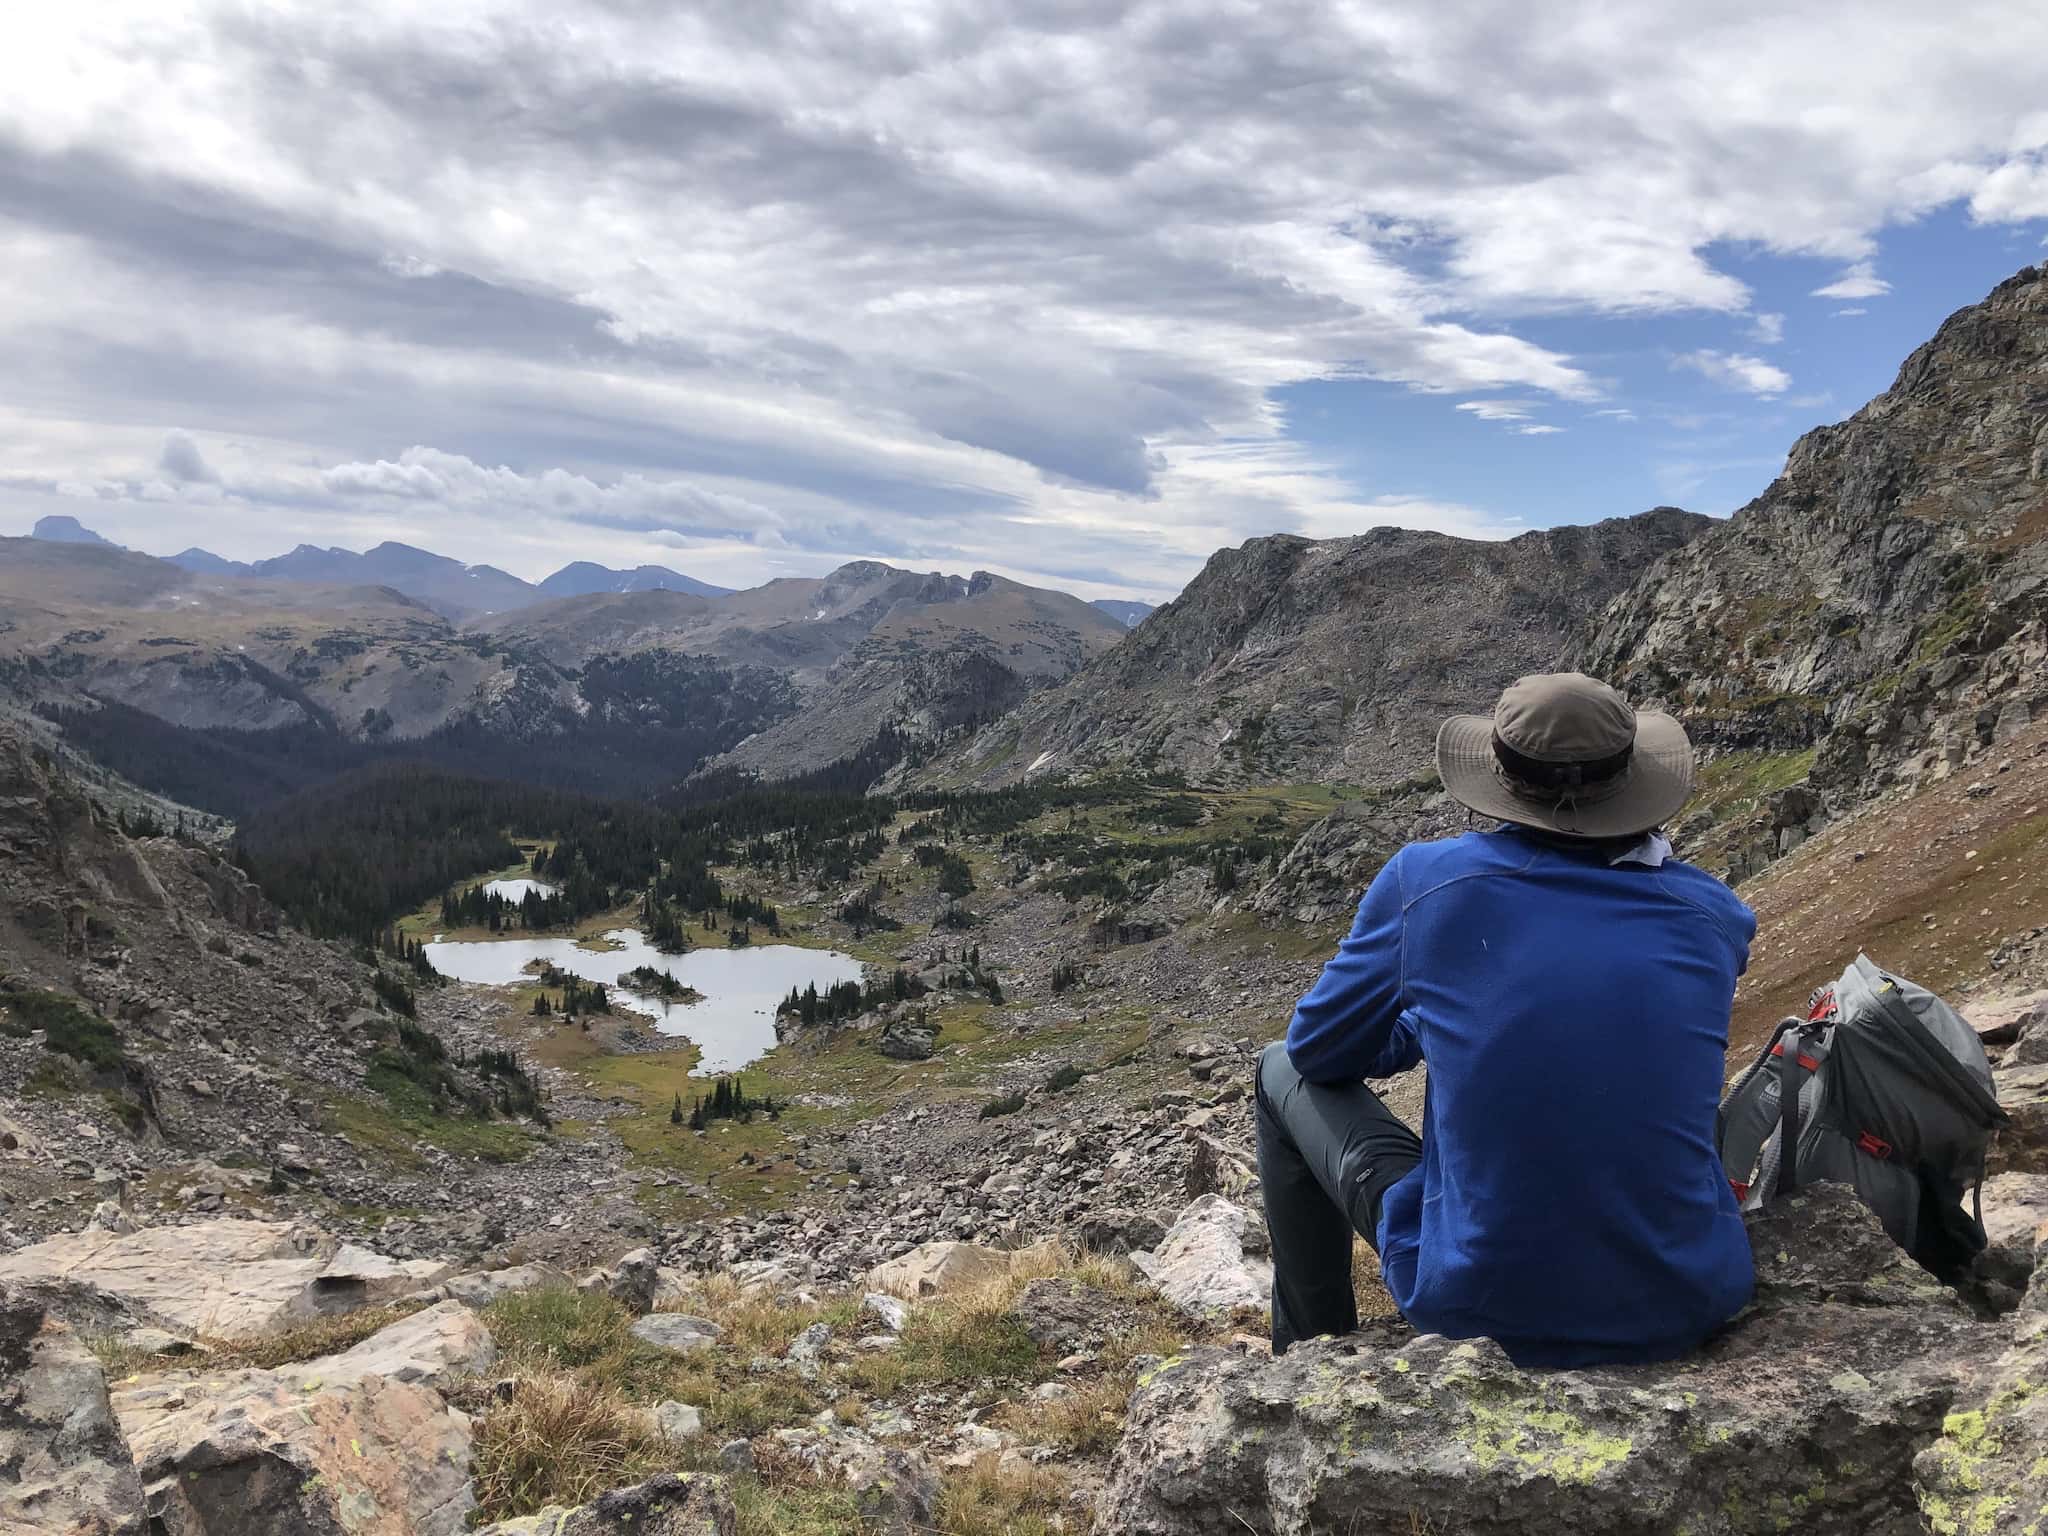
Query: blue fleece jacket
1574,1018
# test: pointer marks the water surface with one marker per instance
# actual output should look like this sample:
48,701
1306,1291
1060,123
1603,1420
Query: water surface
733,1026
515,890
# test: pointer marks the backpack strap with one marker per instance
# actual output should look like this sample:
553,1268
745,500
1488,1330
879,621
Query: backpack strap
1790,1060
1745,1121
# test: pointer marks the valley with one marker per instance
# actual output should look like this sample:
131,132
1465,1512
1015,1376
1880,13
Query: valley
801,1038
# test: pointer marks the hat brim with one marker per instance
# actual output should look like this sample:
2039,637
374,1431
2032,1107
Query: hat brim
1659,781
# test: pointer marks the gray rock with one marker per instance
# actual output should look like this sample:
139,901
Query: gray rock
737,1457
65,1469
807,1350
1069,1316
1119,1231
1201,1266
678,1421
895,1490
482,1287
891,1311
669,1505
1806,1413
677,1331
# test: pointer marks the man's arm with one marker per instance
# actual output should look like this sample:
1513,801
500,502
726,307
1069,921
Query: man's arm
1349,1025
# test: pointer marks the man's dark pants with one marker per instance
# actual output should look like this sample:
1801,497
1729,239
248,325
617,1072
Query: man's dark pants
1327,1157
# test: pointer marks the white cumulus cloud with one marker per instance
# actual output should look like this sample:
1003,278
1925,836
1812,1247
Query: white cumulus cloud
1737,370
1860,281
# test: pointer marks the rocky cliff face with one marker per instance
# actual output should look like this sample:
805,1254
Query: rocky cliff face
1291,659
1884,604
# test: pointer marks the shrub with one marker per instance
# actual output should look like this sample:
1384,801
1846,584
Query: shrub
1008,1104
1066,1077
69,1027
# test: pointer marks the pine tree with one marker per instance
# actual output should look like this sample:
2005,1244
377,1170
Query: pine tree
675,1111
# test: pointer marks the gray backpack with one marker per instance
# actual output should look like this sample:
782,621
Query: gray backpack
1883,1086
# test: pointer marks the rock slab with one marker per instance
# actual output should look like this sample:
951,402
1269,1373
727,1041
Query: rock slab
1805,1414
289,1453
225,1279
64,1465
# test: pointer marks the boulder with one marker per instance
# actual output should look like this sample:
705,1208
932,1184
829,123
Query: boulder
226,1279
2015,1206
356,1277
1806,1414
888,1310
907,1040
688,1504
1069,1316
1202,1267
292,1453
1987,1473
436,1347
677,1331
2003,1020
64,1465
480,1288
632,1282
678,1421
2029,1020
937,1268
2022,1146
1115,1232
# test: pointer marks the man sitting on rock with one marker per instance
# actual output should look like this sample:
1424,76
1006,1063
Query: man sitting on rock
1568,984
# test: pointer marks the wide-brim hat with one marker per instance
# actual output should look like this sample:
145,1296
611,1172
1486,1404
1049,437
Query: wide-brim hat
1567,754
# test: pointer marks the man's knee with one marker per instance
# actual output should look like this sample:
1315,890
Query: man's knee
1275,1076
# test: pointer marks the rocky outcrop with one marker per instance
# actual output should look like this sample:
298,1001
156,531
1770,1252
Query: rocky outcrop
297,1453
1291,659
1885,601
64,1466
669,1505
223,1279
437,1347
1806,1413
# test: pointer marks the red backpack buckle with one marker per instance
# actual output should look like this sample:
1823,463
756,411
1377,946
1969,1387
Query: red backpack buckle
1876,1146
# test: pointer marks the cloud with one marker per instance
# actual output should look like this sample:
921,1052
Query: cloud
2016,190
1536,431
1617,413
1737,370
907,278
1498,410
1860,281
182,460
1767,329
1852,309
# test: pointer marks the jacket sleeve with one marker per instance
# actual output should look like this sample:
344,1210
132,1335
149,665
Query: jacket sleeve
1351,1023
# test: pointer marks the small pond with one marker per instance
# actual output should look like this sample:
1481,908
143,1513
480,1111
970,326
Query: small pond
735,1023
517,890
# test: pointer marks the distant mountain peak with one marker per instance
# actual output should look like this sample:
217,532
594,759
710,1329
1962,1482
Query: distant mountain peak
586,578
62,528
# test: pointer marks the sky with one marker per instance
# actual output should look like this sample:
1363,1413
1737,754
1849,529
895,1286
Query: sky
1077,291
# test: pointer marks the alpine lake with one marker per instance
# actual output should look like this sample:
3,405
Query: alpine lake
734,1023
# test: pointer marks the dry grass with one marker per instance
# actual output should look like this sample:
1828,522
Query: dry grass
309,1341
1086,1422
578,1421
562,1439
1001,1496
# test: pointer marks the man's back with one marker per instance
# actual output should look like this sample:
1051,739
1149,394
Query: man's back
1573,1014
